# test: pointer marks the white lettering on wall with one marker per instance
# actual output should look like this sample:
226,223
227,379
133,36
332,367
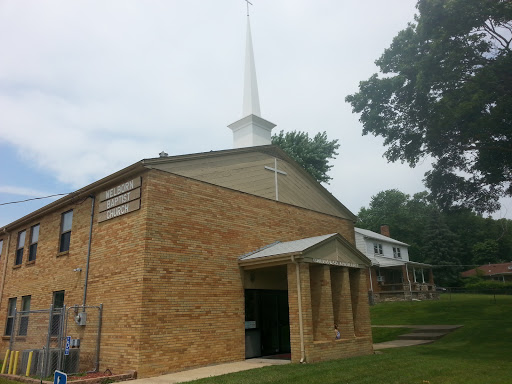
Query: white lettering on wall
120,189
118,200
118,211
335,262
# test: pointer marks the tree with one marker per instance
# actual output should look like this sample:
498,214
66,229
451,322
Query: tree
405,216
486,252
441,249
312,154
446,95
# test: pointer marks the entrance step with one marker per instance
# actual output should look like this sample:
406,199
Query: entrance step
422,336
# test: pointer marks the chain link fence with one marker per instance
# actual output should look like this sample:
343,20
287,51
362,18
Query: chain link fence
64,339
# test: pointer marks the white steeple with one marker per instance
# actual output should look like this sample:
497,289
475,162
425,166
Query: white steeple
251,97
251,130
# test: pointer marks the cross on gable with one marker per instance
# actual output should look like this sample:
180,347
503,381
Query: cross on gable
276,172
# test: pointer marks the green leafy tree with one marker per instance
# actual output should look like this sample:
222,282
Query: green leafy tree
441,249
486,252
405,216
313,154
446,95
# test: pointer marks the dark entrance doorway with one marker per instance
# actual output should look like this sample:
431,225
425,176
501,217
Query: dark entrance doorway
267,323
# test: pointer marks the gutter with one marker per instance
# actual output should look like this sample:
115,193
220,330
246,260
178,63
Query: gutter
299,299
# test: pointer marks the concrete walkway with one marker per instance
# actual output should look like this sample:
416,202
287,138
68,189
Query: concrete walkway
210,371
421,334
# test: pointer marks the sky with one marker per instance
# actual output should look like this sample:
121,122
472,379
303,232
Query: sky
89,87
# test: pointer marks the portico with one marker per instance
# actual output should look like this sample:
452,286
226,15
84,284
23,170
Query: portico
326,283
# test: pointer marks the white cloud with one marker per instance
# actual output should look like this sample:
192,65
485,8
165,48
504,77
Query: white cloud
89,87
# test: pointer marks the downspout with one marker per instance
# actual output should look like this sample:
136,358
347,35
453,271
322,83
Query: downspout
5,265
408,279
88,251
301,326
371,282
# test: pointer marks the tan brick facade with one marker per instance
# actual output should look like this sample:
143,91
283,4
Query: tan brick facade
169,280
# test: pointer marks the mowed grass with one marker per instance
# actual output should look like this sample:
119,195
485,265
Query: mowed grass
381,335
478,353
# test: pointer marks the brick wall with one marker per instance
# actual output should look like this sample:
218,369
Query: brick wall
192,284
115,276
168,274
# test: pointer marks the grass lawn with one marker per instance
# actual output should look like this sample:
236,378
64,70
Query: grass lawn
380,335
3,381
479,353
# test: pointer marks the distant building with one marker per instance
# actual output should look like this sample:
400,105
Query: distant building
392,275
498,272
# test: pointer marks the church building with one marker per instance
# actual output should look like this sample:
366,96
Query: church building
195,260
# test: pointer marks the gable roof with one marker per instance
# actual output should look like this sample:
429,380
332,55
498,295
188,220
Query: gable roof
288,247
330,249
490,270
377,236
151,163
247,170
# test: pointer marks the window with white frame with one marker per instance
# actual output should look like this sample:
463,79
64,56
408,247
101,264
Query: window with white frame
34,238
377,249
20,247
65,231
397,253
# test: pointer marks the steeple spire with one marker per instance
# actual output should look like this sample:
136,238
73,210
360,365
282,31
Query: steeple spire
251,97
251,130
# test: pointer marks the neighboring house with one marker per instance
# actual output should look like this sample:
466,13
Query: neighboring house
499,272
392,275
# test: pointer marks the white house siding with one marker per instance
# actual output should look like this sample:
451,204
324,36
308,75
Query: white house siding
365,245
361,245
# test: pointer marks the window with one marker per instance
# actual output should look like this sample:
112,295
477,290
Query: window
11,309
25,308
377,249
65,231
396,253
34,238
58,304
20,247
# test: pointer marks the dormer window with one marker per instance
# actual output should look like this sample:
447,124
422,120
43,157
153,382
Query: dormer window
377,249
396,253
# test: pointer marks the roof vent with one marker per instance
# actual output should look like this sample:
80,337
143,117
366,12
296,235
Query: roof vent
163,154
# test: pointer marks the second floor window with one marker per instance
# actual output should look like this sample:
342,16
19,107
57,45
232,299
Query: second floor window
377,249
65,231
20,247
34,238
396,253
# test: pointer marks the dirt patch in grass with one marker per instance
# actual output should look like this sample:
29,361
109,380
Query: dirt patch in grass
91,375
